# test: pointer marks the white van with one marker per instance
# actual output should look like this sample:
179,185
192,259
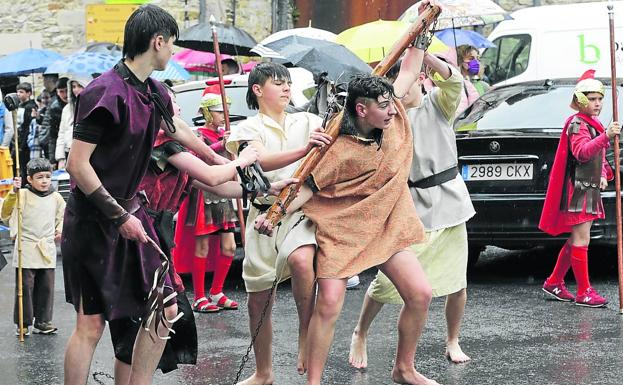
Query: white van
554,41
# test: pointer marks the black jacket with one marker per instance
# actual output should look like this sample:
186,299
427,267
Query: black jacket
48,133
24,128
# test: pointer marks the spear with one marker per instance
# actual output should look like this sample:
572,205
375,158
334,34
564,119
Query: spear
221,83
12,102
617,161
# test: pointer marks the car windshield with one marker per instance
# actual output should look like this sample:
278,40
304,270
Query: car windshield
189,103
524,107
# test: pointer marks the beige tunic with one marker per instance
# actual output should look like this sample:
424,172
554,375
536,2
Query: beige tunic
266,257
363,212
42,217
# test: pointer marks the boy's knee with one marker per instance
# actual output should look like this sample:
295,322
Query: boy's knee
256,302
228,249
301,260
420,298
90,328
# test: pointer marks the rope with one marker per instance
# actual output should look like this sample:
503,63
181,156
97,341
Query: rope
106,375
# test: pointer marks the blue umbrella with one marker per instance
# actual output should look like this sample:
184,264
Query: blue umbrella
27,61
174,71
456,37
85,63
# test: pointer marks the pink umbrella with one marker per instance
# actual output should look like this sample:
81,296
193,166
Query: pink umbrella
247,67
197,61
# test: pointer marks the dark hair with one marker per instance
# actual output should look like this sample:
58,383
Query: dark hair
145,23
368,87
231,63
62,83
260,74
24,86
38,165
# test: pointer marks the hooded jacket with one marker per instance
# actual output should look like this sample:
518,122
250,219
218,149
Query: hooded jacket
66,126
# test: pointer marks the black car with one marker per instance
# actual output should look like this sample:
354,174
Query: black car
506,145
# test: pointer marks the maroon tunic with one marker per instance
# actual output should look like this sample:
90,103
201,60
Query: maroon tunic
109,274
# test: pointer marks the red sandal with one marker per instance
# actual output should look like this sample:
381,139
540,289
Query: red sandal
223,302
203,305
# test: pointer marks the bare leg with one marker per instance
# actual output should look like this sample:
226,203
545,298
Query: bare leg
122,372
263,343
301,263
322,326
81,346
358,356
455,308
406,273
147,351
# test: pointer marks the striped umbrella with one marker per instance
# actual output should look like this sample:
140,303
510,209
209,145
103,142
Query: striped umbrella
174,71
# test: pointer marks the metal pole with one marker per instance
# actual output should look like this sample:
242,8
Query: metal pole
617,160
221,83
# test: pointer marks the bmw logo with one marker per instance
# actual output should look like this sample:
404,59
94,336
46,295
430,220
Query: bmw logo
494,146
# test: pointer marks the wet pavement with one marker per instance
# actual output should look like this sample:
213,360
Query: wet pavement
512,333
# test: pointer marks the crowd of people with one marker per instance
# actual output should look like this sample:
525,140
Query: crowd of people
393,165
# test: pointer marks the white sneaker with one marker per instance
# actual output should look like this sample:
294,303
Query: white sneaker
352,282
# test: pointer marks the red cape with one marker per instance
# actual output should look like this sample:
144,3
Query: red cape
552,218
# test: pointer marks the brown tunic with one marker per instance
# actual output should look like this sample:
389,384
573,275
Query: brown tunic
363,210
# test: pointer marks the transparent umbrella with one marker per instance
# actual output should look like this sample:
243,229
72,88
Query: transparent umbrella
462,13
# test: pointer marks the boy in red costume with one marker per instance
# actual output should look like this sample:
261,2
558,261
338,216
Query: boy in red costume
204,232
573,200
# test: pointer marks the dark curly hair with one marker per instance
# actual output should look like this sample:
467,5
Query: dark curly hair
368,87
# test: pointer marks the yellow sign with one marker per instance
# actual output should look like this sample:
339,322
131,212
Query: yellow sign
106,22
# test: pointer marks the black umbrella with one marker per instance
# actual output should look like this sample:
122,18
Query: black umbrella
320,56
232,40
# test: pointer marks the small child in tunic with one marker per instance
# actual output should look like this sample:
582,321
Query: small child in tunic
359,199
42,221
573,201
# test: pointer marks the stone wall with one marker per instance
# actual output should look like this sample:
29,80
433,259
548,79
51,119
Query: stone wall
59,25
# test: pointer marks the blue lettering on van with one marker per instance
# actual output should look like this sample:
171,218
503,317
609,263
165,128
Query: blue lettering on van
589,53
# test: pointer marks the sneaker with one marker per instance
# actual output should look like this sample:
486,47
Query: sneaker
352,282
26,331
590,298
558,291
45,328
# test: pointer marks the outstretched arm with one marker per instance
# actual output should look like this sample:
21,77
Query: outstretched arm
409,71
188,139
211,175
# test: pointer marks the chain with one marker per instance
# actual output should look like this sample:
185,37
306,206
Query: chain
95,374
245,358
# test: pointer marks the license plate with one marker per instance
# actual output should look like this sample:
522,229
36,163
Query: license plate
497,171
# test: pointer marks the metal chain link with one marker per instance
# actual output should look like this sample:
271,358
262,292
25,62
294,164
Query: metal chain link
245,358
95,374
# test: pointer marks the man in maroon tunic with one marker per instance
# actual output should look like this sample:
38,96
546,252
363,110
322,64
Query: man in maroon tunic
107,264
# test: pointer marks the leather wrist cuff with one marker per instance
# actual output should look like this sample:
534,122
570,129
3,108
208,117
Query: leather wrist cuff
108,206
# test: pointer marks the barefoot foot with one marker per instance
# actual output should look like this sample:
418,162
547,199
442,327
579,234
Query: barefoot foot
455,354
257,379
301,363
358,356
411,377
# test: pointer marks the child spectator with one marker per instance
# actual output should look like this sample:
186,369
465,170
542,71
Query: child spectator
42,221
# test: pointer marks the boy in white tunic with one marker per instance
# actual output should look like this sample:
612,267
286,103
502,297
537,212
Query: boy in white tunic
282,140
442,203
42,221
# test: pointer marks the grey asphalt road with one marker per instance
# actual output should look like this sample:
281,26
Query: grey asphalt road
512,333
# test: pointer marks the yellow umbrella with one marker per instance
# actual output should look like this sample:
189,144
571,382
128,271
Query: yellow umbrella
372,41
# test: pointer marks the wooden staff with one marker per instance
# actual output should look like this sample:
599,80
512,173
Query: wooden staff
221,83
287,195
11,101
617,162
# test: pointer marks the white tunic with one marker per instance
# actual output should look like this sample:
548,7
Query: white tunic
434,151
42,218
